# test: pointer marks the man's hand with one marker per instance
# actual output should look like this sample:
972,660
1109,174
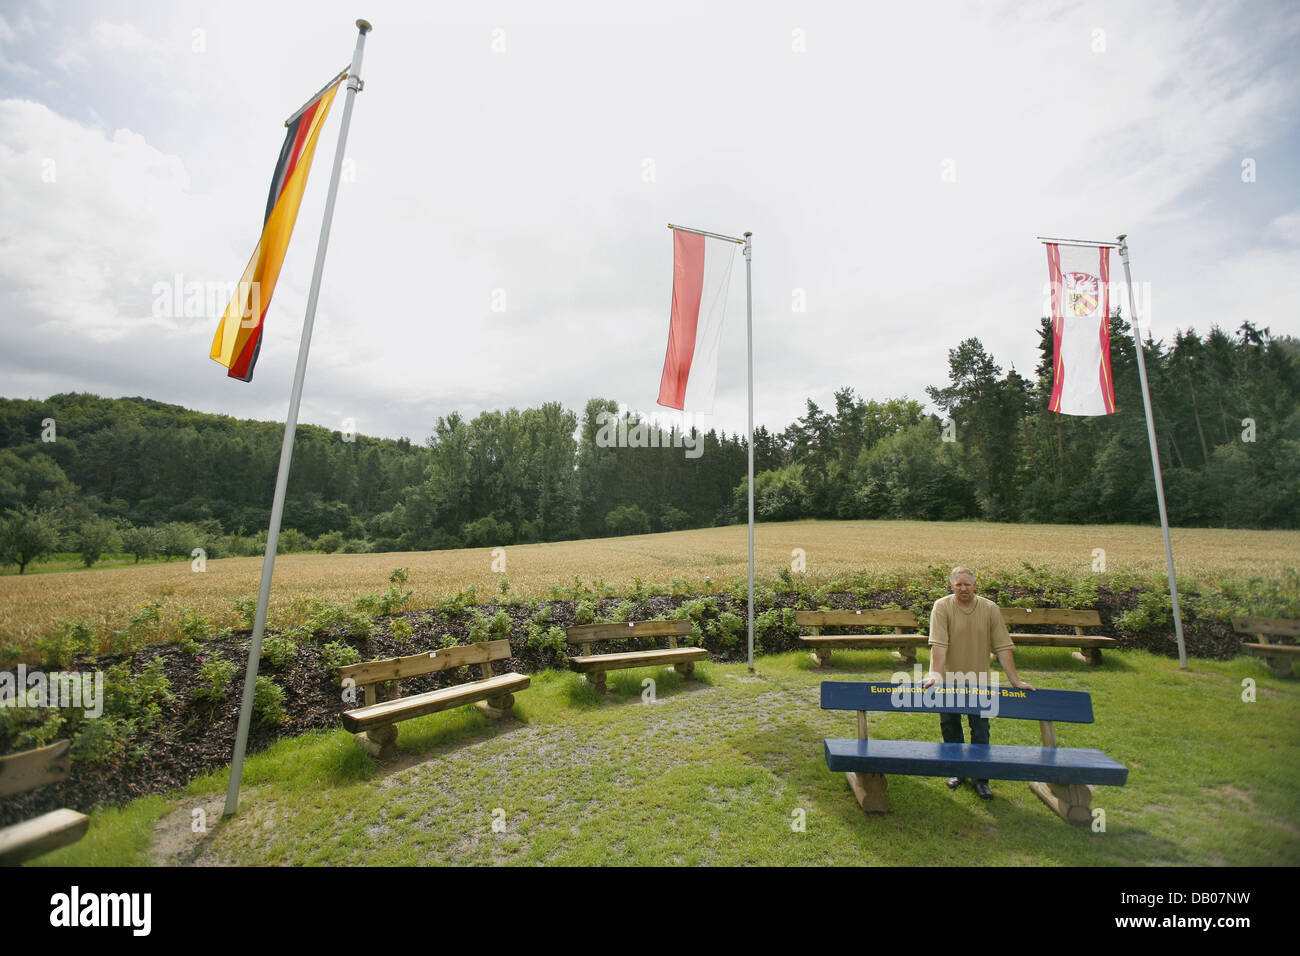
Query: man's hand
1022,685
930,680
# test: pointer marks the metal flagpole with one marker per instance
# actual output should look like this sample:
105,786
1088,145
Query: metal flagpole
1155,455
749,339
290,426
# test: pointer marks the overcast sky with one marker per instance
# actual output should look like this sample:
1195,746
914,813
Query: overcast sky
894,161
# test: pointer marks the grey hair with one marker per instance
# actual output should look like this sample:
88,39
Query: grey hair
960,569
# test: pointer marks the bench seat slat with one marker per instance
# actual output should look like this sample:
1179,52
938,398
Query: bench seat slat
40,835
1269,650
606,662
1062,640
992,761
391,711
866,640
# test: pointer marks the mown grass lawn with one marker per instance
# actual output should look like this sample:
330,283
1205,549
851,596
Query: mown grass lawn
721,771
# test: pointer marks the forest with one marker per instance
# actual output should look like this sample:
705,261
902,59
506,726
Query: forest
95,476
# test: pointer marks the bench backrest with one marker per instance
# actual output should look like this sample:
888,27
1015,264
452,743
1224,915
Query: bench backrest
1278,626
30,769
584,635
851,618
1069,706
395,668
1049,617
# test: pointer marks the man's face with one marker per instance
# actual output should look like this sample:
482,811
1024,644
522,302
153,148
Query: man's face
964,587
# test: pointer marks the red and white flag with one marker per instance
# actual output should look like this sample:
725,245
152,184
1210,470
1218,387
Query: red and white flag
701,276
1081,379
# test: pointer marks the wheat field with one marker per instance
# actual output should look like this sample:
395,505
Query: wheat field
708,558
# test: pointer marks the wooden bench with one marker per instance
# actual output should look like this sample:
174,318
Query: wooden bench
375,723
1089,647
26,771
905,645
595,666
1060,776
1278,657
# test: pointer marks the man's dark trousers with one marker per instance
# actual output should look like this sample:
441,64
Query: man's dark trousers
950,727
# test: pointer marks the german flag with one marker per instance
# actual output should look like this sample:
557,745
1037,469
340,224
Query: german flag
239,337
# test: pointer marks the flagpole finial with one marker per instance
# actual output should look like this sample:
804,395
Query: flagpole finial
364,26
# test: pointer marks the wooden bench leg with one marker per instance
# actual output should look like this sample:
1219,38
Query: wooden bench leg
906,655
597,680
686,669
1089,655
869,789
1072,802
821,657
1280,666
379,741
497,707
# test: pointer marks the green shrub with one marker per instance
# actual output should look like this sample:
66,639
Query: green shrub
731,627
138,697
400,628
68,640
246,608
337,654
278,650
329,542
102,741
481,628
622,612
216,674
268,701
584,612
146,620
776,619
328,616
547,639
454,605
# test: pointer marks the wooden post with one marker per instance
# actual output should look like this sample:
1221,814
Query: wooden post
597,680
1089,655
1071,802
497,707
686,669
379,741
821,656
904,655
868,788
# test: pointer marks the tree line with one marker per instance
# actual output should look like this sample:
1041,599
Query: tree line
93,475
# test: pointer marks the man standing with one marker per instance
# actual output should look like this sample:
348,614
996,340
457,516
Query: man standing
964,630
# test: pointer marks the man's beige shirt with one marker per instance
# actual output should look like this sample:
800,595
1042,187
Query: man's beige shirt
969,637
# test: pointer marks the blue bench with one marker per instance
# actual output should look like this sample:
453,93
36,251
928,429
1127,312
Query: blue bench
1060,776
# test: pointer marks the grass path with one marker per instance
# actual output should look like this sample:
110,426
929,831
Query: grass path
720,771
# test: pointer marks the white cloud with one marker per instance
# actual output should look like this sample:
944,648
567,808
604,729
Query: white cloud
106,40
523,172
